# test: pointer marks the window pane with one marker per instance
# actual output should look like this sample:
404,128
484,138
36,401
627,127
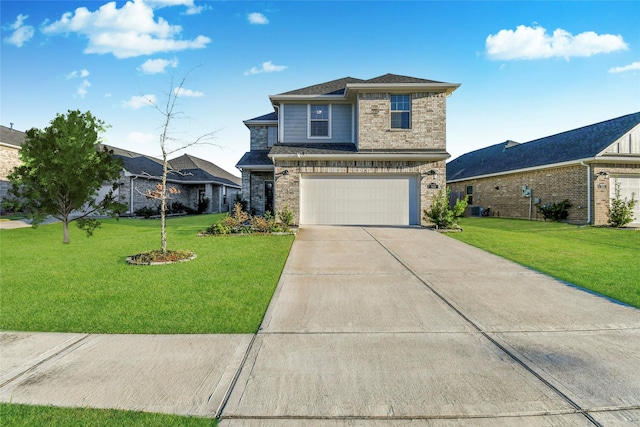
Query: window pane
319,128
400,103
320,112
400,120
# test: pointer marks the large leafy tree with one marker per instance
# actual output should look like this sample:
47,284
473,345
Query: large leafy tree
63,167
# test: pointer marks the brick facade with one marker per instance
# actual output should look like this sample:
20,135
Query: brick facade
428,122
603,185
258,137
287,187
503,193
253,190
9,159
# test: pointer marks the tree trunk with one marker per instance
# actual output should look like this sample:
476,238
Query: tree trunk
65,231
163,202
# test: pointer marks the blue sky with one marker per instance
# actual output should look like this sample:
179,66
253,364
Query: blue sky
526,69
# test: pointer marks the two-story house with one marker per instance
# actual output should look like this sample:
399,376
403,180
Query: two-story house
350,151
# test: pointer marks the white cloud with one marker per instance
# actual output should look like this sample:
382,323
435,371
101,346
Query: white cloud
187,93
156,66
82,89
136,102
126,32
266,67
78,73
535,43
631,67
257,18
192,9
21,33
141,138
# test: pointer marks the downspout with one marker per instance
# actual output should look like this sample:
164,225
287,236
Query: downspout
588,191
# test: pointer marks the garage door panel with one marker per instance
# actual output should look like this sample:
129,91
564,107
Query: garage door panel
352,200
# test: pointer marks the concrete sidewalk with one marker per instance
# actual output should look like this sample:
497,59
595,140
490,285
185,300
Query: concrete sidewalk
369,326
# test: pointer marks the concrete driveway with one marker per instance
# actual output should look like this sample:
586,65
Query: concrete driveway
369,326
374,326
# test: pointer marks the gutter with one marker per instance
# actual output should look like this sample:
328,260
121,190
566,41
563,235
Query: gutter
533,168
588,190
363,156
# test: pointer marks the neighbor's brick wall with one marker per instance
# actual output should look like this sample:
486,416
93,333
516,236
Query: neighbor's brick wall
428,122
186,196
9,159
503,194
287,188
602,187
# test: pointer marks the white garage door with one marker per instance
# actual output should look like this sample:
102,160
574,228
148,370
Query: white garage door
629,186
359,200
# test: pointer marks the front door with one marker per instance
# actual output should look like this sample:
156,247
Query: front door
268,196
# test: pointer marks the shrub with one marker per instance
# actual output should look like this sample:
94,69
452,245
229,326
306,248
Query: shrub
218,228
555,211
238,219
621,211
286,216
265,224
145,212
241,222
443,215
176,207
243,203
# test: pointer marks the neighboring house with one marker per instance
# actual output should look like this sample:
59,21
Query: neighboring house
10,143
196,179
580,165
350,151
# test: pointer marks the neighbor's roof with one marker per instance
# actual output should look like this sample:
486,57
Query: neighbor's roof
578,144
191,169
11,136
196,169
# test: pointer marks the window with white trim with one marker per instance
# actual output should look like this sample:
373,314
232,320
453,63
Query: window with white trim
319,121
400,111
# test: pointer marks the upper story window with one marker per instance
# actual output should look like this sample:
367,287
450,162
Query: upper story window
319,121
400,112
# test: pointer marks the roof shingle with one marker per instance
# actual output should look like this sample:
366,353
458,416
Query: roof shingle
582,143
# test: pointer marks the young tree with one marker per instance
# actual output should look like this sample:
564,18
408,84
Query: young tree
621,211
170,145
63,166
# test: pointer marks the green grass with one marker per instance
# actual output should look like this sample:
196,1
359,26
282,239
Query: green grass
87,286
603,260
26,415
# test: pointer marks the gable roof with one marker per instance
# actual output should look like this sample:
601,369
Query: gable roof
342,88
10,136
192,169
334,87
578,144
196,169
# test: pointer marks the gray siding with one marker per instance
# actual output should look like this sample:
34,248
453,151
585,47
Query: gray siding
295,124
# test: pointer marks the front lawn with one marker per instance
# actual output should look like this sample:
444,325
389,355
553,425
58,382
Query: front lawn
87,286
26,415
603,260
